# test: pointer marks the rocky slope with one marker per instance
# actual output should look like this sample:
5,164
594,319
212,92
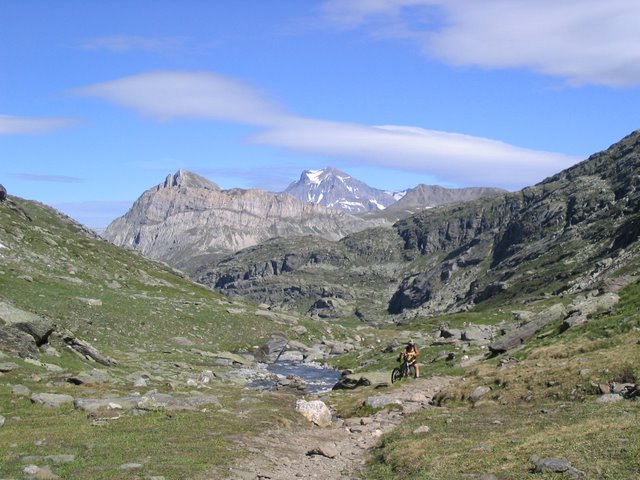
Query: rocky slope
188,218
334,189
429,196
573,232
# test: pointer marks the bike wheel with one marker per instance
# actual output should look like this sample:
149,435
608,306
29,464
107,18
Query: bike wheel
411,371
396,375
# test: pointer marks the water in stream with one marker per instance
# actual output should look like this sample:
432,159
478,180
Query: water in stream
317,377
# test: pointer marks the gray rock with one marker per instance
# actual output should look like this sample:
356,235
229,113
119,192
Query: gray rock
557,465
609,398
2,420
447,332
478,333
271,351
521,334
20,391
381,401
8,367
154,401
38,327
52,400
90,377
325,450
423,430
315,411
478,393
93,405
292,356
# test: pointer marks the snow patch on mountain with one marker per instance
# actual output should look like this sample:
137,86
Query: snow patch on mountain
335,189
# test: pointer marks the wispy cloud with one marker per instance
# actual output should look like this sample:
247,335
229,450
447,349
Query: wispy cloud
131,43
13,125
169,95
584,42
29,177
452,157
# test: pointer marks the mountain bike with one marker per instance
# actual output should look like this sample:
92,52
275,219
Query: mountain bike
403,371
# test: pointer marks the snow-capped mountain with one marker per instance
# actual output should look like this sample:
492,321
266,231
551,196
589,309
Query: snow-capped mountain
332,188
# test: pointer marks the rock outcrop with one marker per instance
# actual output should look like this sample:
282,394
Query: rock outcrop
572,233
21,332
188,219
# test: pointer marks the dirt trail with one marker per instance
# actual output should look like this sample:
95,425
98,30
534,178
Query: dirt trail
283,454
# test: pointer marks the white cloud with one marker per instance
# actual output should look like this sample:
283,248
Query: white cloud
585,42
128,43
168,95
451,157
12,125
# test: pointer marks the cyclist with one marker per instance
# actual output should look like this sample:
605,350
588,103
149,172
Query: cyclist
410,352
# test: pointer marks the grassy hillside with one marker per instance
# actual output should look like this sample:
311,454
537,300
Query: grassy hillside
542,402
155,324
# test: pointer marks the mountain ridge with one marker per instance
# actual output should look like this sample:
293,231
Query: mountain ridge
335,189
575,230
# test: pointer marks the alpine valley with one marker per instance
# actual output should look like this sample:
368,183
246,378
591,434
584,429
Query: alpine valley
153,361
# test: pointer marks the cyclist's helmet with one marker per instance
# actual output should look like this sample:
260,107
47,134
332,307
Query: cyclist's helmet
411,343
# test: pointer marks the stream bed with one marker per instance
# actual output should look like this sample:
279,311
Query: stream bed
317,378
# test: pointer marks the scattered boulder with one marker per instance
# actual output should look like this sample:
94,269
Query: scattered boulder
40,473
20,391
478,393
381,401
448,332
3,193
609,398
443,355
325,450
423,430
8,367
331,307
2,420
90,377
365,379
51,400
315,411
518,336
85,349
479,334
556,465
584,306
270,352
21,332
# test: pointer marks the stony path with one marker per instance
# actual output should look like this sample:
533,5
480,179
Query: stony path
341,450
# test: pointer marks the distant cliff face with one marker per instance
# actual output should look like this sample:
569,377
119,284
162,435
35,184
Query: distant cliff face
575,232
188,218
429,196
334,189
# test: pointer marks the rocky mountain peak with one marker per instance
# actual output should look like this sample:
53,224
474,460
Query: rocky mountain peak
185,179
333,188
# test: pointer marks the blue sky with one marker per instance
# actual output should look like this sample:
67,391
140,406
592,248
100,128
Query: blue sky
100,100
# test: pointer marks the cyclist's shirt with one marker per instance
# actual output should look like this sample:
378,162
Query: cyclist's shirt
411,354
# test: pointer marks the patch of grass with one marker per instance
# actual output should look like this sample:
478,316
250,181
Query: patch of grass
166,443
541,402
602,440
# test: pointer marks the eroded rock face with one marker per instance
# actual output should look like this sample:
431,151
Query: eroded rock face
22,332
189,216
